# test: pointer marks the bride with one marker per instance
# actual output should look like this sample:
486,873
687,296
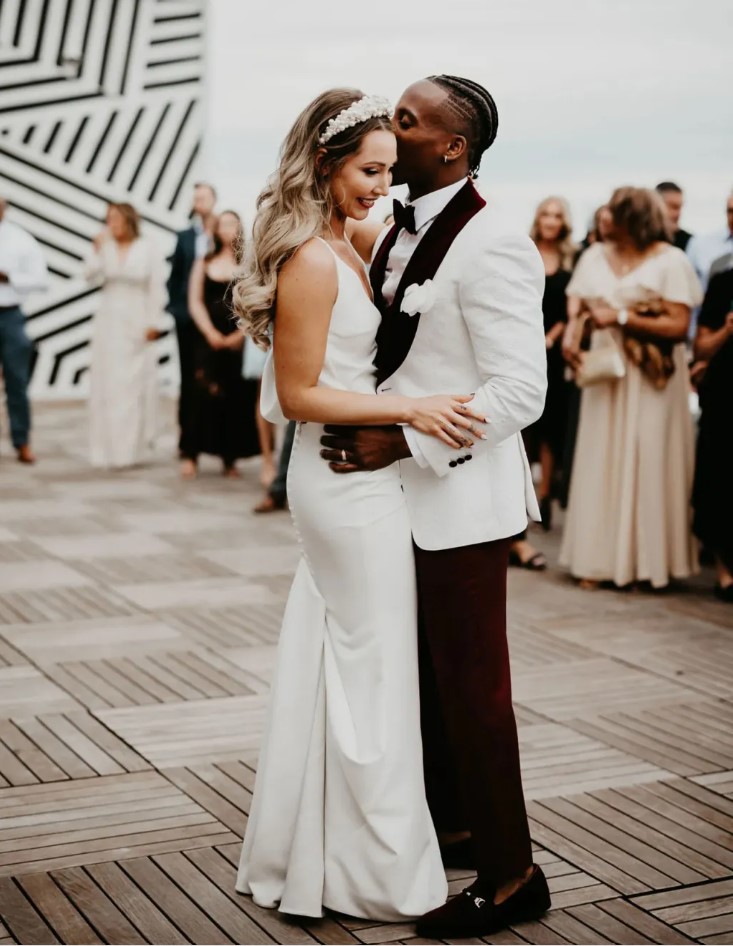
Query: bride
339,818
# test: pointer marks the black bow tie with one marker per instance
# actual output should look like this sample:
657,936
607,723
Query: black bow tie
404,217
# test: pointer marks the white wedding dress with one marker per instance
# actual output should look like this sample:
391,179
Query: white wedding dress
339,817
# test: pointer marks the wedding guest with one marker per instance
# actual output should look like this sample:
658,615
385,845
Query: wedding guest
253,365
713,521
599,232
674,200
600,228
123,370
192,244
551,231
22,271
222,408
704,250
628,513
276,497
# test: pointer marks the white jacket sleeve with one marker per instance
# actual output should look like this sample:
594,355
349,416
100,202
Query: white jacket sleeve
501,304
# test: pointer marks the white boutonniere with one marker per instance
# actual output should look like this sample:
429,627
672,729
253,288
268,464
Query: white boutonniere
418,299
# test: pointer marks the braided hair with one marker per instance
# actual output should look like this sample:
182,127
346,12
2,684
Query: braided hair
476,109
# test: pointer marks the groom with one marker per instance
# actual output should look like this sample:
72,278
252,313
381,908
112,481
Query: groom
479,328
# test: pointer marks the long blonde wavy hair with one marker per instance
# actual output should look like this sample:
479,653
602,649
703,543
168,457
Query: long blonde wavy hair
565,245
295,206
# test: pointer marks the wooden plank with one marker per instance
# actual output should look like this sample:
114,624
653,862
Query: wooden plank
582,848
52,746
133,901
640,921
209,799
84,747
650,866
115,748
96,906
50,902
17,913
172,900
571,929
219,866
229,915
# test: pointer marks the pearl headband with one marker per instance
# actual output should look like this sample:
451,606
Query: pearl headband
371,106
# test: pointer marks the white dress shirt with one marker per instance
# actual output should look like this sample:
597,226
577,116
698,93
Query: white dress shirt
705,250
203,238
427,209
22,262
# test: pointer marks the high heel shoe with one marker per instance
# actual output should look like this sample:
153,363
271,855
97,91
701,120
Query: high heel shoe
546,512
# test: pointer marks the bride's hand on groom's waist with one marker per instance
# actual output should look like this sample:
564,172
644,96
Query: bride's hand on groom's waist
354,449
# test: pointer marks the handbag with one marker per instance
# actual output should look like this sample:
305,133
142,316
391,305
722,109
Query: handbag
602,364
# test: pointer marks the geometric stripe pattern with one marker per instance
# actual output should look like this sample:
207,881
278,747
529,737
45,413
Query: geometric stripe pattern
99,100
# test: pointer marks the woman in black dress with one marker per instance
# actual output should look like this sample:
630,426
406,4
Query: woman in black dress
711,497
224,403
545,439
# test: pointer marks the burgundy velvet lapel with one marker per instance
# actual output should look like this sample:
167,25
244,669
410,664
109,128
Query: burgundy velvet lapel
397,330
378,268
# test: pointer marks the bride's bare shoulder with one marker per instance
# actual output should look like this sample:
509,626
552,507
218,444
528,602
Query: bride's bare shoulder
312,257
311,268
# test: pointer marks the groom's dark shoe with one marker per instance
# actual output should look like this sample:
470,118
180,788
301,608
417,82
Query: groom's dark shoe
472,914
459,855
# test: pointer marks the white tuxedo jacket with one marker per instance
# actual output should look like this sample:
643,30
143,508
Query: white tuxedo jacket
483,333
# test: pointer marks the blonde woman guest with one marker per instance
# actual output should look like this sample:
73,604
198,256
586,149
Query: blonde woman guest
123,372
222,403
551,232
628,514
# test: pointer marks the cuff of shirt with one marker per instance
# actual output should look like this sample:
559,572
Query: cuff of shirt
414,447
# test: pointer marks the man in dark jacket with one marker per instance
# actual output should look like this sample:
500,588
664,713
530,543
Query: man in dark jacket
191,244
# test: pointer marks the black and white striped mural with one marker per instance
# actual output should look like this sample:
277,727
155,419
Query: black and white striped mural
99,100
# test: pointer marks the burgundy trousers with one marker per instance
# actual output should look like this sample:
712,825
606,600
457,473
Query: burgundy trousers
472,775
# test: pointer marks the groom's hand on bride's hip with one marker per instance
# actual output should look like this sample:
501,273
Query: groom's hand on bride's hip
351,449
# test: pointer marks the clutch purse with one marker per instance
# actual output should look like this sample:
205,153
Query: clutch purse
602,364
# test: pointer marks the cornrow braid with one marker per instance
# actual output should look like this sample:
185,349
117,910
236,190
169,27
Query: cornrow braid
473,104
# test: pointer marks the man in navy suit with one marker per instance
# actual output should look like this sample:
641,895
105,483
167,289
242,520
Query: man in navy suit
191,244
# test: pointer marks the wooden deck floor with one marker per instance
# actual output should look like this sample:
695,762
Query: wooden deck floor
138,621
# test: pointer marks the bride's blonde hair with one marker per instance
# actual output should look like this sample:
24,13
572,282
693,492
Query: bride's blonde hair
296,205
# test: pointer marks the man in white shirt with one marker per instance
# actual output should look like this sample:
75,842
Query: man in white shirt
22,271
706,249
461,304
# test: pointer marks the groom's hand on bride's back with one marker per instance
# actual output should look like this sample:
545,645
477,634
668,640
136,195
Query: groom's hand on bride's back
351,449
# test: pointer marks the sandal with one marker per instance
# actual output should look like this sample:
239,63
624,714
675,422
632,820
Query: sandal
270,504
535,563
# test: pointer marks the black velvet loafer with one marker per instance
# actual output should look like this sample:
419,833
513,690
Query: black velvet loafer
471,914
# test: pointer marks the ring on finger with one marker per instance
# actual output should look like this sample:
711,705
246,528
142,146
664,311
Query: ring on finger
343,456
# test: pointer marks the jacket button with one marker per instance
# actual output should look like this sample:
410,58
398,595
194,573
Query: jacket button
452,463
460,460
469,456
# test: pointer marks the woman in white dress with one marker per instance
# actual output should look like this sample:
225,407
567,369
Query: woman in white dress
339,818
123,396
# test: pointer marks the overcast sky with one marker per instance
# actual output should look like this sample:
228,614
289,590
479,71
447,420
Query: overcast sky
591,93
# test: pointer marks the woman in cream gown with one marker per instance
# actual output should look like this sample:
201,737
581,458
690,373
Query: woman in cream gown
628,515
123,370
